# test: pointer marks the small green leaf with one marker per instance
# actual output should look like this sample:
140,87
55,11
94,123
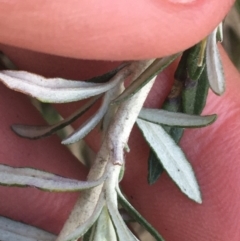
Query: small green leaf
172,158
194,93
175,118
214,65
193,59
137,216
189,96
201,93
22,177
36,132
155,68
155,168
16,231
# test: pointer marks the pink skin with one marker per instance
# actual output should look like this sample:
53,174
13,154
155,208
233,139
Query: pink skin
213,151
108,29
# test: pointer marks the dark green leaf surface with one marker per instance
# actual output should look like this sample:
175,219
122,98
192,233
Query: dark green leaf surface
175,132
194,71
201,93
155,168
195,93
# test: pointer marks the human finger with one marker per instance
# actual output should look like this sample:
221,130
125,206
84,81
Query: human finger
109,30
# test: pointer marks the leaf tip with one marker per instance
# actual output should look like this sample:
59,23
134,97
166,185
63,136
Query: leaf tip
199,198
19,130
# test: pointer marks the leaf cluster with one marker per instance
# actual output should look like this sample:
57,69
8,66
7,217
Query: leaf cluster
199,68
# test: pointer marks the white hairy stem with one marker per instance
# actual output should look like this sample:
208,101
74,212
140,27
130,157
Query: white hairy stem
111,152
112,109
125,118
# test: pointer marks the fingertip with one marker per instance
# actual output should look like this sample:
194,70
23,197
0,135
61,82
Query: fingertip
107,30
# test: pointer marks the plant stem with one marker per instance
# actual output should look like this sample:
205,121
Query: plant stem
110,153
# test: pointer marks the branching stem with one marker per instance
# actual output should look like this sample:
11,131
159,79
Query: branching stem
111,152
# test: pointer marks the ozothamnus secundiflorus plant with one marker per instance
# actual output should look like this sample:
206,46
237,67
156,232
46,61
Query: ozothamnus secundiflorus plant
199,68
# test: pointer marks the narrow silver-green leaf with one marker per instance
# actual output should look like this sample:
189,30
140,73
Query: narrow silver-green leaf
155,68
172,158
137,216
122,230
172,103
10,176
112,109
81,230
110,184
15,231
91,123
175,118
36,132
214,65
57,90
104,229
